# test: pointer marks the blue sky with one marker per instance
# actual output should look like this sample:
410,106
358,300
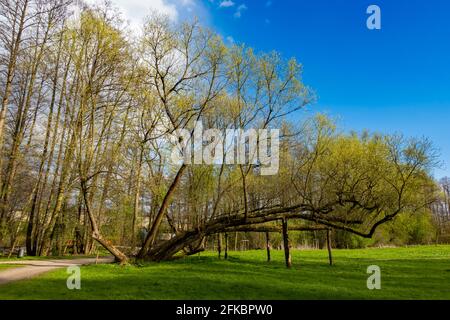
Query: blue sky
393,80
396,79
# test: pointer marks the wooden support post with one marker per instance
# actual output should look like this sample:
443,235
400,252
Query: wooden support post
330,256
219,244
287,254
226,246
268,246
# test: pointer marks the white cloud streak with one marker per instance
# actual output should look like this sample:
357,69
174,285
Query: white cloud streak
226,4
239,10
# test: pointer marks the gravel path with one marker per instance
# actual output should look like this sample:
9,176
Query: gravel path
32,268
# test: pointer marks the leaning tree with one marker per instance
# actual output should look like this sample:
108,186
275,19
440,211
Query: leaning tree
94,114
186,75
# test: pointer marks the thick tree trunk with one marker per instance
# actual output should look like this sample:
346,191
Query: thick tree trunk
137,194
119,256
268,246
151,237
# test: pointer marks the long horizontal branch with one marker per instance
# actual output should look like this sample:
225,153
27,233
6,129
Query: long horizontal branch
221,223
273,229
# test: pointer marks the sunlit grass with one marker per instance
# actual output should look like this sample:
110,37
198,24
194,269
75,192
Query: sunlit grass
406,273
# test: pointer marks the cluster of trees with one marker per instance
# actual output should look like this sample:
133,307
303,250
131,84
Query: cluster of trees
441,213
86,115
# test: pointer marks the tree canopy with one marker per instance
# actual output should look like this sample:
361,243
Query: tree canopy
87,120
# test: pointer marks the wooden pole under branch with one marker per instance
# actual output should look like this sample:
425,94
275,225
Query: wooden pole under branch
287,254
268,246
219,244
330,256
226,246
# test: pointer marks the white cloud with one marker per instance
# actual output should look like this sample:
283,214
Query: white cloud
136,10
226,4
158,5
187,2
230,39
239,10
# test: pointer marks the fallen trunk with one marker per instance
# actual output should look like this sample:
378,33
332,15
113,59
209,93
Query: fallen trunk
222,224
239,222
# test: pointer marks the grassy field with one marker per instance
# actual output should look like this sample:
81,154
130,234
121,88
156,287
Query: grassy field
406,273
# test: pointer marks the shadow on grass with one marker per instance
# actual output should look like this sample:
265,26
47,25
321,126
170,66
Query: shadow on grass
245,276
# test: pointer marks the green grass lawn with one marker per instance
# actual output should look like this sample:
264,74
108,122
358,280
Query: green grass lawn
406,273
